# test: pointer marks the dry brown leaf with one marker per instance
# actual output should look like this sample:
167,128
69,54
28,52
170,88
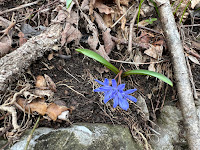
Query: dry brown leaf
37,105
69,34
5,46
93,43
103,8
53,111
85,5
50,83
108,43
138,57
22,40
73,18
196,45
62,15
151,67
41,107
108,20
144,37
40,82
124,2
50,56
154,51
193,59
194,3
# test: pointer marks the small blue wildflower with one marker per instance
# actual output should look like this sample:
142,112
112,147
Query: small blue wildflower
116,93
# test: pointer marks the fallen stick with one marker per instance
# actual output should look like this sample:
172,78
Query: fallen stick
15,63
180,73
19,7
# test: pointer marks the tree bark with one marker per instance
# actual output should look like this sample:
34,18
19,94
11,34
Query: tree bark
181,75
15,63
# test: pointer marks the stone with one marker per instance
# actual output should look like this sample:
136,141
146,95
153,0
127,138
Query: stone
82,136
172,135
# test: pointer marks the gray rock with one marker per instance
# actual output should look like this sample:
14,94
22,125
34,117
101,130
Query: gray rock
171,131
80,137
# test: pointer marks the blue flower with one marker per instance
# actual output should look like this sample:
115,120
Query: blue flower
116,93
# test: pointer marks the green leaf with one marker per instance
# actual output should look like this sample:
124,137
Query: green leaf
150,73
68,3
138,15
99,58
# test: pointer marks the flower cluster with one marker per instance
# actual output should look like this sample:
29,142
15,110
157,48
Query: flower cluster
116,93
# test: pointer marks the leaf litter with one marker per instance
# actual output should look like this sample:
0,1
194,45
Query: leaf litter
93,20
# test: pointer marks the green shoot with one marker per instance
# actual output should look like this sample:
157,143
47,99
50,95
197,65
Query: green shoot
178,7
68,3
149,73
185,11
156,7
99,58
138,16
151,20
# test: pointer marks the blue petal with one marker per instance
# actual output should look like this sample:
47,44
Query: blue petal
114,83
123,103
106,81
130,91
131,98
108,96
121,87
116,101
99,82
103,89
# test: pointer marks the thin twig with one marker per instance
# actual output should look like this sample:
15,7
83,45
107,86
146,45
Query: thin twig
191,79
126,62
19,7
71,89
121,17
71,75
130,39
192,25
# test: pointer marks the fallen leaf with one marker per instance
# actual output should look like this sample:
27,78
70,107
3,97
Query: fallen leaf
85,5
44,93
93,43
108,43
40,82
154,51
124,2
194,3
108,20
103,8
151,67
50,83
69,34
50,56
5,46
193,59
62,15
37,105
196,45
22,40
53,111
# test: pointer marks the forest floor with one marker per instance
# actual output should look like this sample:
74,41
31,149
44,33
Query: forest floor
70,75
